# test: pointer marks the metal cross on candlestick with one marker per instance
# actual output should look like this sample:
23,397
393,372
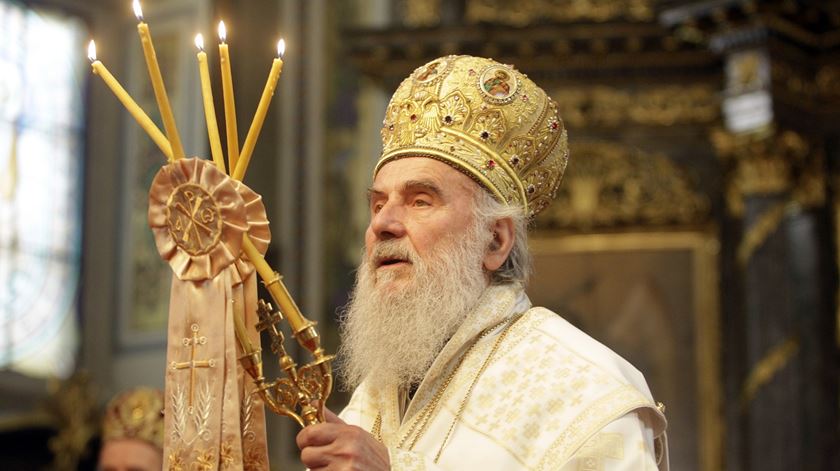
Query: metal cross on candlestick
302,393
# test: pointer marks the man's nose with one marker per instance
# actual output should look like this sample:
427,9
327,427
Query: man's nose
387,223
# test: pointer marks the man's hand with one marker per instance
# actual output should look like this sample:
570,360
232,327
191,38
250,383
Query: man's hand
335,446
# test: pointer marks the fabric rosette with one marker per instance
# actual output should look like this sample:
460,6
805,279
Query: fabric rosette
198,216
258,230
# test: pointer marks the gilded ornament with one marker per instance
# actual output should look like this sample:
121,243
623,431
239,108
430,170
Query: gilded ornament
525,12
421,12
754,237
487,120
818,90
662,106
768,367
175,461
770,162
610,185
137,414
73,408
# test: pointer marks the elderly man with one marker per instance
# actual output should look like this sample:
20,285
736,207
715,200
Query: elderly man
452,366
132,432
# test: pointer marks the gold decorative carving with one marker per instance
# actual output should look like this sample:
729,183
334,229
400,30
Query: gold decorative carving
755,236
421,12
611,185
608,106
767,368
767,163
524,12
72,404
809,193
747,71
815,89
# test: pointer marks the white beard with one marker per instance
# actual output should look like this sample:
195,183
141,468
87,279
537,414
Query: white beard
399,319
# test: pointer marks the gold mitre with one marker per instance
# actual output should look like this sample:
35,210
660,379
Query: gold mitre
487,120
136,414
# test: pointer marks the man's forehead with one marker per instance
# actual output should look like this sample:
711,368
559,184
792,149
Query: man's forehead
398,172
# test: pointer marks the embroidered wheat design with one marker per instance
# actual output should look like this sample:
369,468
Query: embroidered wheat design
179,412
247,413
202,415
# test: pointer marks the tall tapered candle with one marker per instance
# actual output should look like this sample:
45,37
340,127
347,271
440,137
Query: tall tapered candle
275,286
209,110
157,83
259,116
133,108
230,104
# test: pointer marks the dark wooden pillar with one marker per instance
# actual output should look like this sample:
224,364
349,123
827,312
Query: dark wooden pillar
782,404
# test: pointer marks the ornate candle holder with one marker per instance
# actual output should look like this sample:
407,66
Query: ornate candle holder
301,395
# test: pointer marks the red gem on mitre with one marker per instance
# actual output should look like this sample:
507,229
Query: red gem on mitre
491,164
413,117
554,125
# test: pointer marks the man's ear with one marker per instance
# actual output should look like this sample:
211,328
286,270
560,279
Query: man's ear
501,245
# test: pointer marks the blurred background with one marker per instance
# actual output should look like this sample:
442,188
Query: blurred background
696,232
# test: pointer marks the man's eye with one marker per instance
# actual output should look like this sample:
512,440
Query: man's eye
376,207
421,202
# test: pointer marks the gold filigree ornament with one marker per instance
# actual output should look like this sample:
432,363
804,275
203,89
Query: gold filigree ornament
137,414
487,120
199,215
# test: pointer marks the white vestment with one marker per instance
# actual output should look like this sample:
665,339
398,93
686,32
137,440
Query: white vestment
549,398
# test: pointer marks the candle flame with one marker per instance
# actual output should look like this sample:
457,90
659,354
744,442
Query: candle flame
281,48
199,41
92,51
138,12
222,31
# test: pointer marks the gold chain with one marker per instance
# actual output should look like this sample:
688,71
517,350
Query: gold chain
376,431
424,416
466,398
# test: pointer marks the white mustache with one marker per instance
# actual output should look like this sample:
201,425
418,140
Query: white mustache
391,249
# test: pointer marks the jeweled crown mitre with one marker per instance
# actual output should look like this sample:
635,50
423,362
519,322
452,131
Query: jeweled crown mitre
487,120
137,414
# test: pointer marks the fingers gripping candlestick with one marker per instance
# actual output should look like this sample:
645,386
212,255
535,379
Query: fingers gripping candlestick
213,232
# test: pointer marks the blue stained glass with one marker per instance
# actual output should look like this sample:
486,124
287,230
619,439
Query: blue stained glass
41,124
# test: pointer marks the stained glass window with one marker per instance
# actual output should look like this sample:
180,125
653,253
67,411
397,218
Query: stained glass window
42,69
